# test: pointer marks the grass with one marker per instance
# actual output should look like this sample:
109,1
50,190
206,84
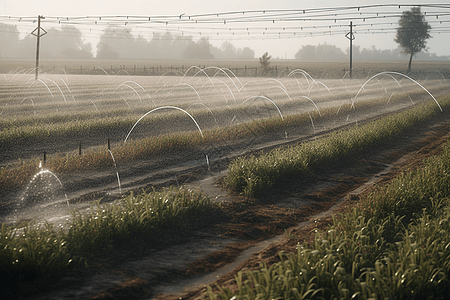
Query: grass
253,175
343,260
30,253
17,176
333,69
394,244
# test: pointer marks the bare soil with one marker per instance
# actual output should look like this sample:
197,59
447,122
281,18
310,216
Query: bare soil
161,267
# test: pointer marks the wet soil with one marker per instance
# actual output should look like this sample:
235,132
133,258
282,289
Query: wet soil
176,265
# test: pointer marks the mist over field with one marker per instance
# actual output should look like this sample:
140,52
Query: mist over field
167,156
122,43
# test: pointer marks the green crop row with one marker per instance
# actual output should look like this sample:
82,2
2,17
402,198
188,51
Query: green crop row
253,175
15,177
34,252
394,244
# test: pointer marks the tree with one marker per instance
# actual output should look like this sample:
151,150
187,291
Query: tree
199,50
228,49
320,52
119,42
264,62
68,43
245,53
412,33
105,51
9,38
307,52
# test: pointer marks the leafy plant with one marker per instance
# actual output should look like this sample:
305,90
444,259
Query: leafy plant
264,62
30,252
390,246
252,175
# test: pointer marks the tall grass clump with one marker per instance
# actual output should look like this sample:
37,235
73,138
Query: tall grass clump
395,244
253,175
40,253
145,214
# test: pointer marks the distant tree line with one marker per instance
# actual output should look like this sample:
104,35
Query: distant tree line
114,43
121,43
330,52
64,43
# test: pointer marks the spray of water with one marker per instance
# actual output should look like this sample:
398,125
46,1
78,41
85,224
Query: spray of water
65,100
32,102
310,117
205,106
168,107
200,71
117,172
104,71
66,85
25,71
142,88
127,103
224,71
32,182
268,99
400,74
123,84
304,73
318,83
398,83
276,80
39,80
187,84
159,108
309,99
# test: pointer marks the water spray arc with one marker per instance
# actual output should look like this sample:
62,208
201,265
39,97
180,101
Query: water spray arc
159,108
396,73
209,101
266,98
168,107
30,185
115,166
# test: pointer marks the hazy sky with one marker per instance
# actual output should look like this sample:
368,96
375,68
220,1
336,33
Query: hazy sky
282,48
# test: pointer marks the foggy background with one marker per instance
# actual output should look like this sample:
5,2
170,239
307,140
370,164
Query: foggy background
120,43
92,37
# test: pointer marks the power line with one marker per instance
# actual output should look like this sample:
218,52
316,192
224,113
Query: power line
249,25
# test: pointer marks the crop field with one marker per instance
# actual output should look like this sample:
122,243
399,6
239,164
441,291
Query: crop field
68,141
280,68
83,125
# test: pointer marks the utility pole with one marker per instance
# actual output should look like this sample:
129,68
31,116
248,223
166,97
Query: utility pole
38,35
351,37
